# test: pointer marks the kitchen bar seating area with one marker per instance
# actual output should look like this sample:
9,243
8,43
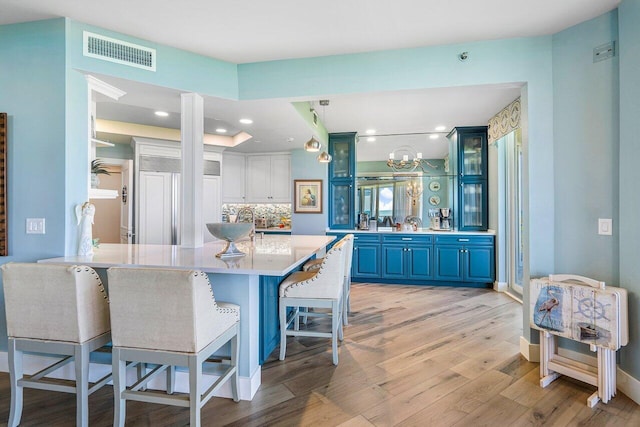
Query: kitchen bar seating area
153,318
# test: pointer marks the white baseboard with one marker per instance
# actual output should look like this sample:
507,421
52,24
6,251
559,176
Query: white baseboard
531,352
500,286
627,384
33,363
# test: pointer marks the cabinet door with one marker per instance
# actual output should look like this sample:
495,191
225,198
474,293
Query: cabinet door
211,206
340,205
448,263
258,179
472,153
342,150
419,262
480,262
269,320
233,179
155,208
394,261
280,179
473,205
366,260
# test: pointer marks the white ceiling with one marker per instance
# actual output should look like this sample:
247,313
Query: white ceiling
248,31
251,31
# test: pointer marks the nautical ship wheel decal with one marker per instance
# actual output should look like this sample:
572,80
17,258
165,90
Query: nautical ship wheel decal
592,309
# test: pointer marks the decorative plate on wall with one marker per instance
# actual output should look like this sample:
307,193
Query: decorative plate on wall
434,200
434,186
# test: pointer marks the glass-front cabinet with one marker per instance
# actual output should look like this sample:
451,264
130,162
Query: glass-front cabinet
342,172
340,205
472,152
473,205
342,150
473,202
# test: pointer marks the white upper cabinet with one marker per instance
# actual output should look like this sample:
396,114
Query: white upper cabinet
233,178
268,178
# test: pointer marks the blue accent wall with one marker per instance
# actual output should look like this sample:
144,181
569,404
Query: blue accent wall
305,166
629,176
585,111
32,93
175,68
585,117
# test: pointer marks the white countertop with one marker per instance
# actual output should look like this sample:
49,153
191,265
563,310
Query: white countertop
271,255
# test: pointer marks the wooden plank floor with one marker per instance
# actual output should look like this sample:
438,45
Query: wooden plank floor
412,356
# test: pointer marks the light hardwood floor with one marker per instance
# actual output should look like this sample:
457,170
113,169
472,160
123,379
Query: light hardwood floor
412,356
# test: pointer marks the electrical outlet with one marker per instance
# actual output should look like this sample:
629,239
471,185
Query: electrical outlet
604,226
35,226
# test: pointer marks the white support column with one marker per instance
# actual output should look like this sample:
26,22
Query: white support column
192,134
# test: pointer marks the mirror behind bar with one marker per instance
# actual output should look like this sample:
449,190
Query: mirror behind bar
392,197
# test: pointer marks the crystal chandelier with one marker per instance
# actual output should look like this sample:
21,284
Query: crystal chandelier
399,160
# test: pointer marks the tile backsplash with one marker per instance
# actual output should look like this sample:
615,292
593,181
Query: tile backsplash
274,213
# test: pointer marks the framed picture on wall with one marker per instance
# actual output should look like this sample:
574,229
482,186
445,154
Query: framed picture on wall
307,196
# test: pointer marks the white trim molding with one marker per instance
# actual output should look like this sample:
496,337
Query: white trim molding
531,352
500,286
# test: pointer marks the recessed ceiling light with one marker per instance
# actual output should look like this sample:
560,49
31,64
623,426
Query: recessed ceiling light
221,130
441,128
370,131
161,114
371,139
246,121
434,136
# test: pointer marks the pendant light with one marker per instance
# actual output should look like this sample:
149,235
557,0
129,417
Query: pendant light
324,157
312,145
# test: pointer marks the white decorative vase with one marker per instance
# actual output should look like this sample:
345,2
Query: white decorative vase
95,180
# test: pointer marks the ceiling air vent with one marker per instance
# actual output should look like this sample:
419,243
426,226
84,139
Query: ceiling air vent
121,52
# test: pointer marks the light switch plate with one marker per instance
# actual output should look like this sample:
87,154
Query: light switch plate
604,226
35,225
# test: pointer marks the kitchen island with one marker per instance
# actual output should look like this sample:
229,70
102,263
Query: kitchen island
250,282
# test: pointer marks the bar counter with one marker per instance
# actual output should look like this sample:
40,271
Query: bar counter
250,282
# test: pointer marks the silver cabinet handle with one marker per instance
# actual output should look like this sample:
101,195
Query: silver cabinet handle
463,240
407,238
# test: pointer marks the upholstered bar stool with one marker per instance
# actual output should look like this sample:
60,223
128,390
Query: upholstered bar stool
313,265
55,310
169,318
320,289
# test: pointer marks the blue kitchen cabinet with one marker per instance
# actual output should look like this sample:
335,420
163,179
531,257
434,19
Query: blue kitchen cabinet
341,204
464,259
406,257
366,256
342,180
473,197
269,320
